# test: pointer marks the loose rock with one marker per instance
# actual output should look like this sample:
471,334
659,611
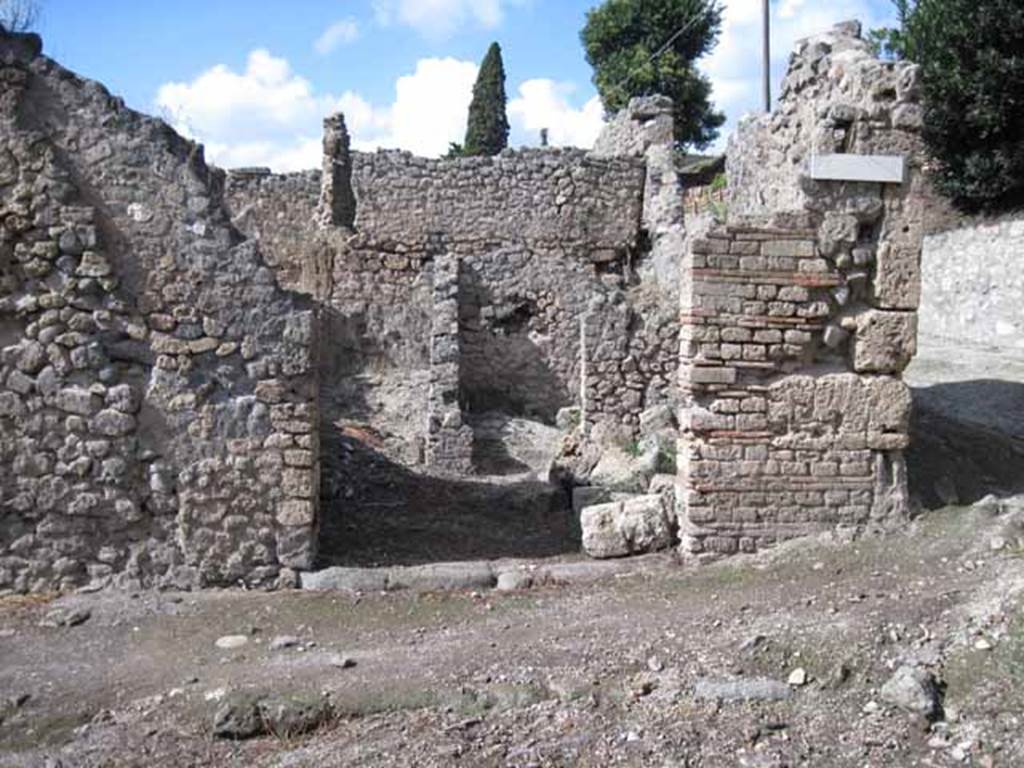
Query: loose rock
231,642
914,690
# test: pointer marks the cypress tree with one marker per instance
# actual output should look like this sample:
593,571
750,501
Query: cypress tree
487,127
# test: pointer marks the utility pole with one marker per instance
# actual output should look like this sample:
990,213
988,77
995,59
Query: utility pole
767,63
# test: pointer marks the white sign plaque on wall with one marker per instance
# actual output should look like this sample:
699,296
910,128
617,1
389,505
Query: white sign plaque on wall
884,169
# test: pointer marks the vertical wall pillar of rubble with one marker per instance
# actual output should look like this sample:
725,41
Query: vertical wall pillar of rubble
662,216
337,206
631,346
799,317
449,440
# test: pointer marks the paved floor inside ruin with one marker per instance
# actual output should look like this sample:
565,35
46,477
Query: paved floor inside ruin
589,673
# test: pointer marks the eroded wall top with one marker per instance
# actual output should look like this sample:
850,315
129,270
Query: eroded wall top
836,98
545,198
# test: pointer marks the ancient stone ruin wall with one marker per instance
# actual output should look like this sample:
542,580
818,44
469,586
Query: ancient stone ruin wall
544,199
547,240
973,282
799,317
157,396
278,211
835,98
163,396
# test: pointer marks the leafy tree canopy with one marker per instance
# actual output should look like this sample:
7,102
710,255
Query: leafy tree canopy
971,54
647,47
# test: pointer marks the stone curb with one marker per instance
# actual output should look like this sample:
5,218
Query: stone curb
472,575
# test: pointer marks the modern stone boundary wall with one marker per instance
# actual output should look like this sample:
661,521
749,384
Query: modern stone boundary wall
157,390
973,282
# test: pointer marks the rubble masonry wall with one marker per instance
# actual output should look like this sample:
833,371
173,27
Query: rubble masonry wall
157,391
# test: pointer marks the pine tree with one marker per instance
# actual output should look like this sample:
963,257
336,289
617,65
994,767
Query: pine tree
487,127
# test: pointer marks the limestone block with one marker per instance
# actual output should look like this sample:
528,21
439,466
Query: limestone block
123,398
113,423
93,265
296,513
296,547
710,375
657,419
201,346
667,486
626,528
626,471
890,405
297,483
884,342
19,382
78,401
836,231
897,283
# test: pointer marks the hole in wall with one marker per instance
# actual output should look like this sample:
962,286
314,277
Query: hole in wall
515,319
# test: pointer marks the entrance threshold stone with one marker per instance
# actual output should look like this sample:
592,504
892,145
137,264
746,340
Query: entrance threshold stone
474,575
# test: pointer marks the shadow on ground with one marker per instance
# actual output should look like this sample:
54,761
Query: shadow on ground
383,513
967,441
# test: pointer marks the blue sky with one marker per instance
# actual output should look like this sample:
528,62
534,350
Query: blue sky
252,79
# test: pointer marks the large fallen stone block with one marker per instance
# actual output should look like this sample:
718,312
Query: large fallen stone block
632,527
914,690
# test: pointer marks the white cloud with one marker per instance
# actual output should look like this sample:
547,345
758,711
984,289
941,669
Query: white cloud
344,32
266,115
735,64
269,115
543,103
440,19
429,110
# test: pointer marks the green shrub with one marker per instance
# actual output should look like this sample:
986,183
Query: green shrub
971,54
667,459
633,449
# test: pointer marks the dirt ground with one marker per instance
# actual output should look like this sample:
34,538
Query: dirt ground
589,674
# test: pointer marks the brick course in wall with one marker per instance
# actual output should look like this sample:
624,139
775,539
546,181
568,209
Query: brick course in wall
778,442
798,318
